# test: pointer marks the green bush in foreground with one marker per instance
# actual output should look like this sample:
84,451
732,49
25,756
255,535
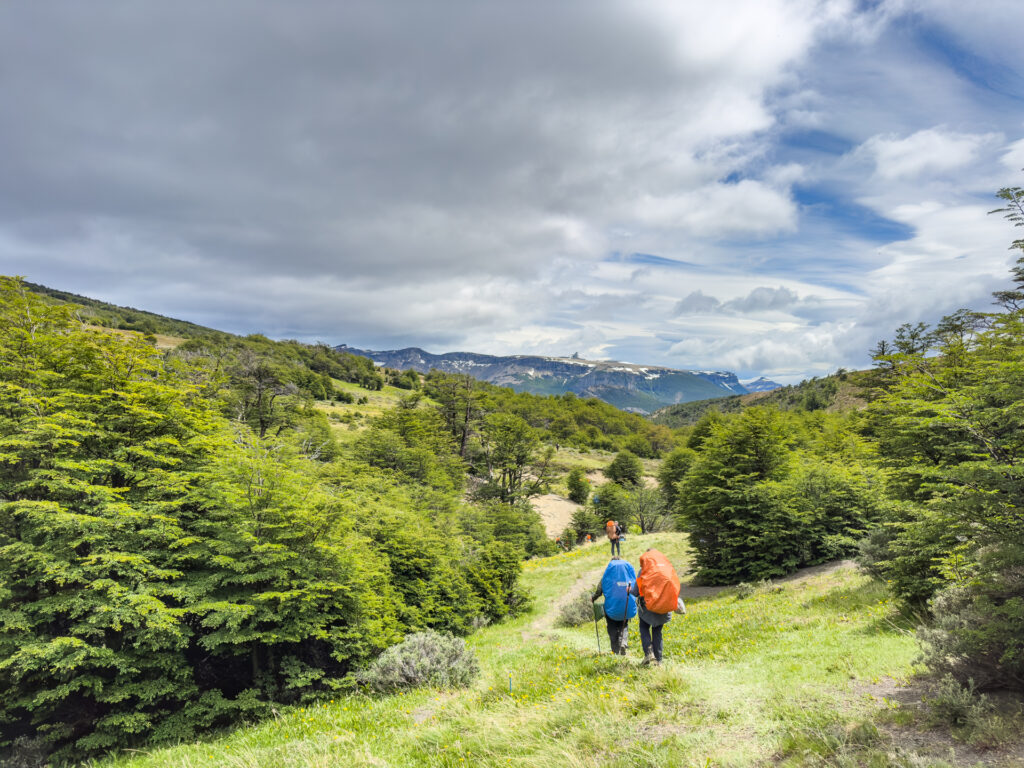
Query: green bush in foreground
424,658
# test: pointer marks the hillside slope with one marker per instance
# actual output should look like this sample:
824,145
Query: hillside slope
625,385
840,392
767,679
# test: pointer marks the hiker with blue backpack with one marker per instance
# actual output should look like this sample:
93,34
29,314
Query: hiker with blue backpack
619,605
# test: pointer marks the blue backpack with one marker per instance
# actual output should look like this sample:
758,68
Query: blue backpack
618,577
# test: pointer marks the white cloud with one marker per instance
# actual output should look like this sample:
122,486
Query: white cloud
1013,158
930,151
721,210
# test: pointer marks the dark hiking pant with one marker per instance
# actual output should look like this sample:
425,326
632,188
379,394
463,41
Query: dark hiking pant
616,547
618,633
651,640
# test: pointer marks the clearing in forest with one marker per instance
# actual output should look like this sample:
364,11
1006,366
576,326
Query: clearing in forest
786,675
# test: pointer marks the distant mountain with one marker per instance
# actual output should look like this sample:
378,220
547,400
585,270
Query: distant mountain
639,388
761,385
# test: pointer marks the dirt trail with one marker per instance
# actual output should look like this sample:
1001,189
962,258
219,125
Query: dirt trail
585,582
805,573
688,592
691,592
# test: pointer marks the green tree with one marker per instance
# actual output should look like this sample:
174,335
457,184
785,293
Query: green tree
950,427
515,465
673,468
739,524
611,502
578,485
703,428
626,469
646,508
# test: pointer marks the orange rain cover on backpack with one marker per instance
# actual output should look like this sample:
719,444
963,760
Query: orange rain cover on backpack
657,582
609,528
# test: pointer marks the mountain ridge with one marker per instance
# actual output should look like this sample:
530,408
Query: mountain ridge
638,388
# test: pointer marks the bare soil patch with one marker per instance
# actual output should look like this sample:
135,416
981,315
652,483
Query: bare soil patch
555,511
815,570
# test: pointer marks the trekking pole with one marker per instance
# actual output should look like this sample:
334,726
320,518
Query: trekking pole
598,613
625,622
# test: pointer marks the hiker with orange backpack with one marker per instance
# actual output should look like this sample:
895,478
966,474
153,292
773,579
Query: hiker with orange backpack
657,592
614,531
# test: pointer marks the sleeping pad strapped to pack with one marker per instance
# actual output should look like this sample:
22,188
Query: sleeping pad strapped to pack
618,577
658,583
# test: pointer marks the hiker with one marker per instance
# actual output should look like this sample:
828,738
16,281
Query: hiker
619,605
657,592
561,544
614,531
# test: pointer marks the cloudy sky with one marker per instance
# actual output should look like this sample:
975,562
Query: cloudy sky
764,186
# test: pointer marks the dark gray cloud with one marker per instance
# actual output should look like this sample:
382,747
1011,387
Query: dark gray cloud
763,299
697,303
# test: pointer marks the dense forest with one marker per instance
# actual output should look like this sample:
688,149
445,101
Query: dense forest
182,544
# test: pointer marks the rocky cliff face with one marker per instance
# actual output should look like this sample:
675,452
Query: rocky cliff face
632,387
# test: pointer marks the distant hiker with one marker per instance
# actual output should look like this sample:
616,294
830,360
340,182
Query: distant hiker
619,605
614,531
561,544
657,588
589,538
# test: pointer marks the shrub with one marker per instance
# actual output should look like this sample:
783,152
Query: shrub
610,502
745,589
576,612
907,549
422,659
585,520
977,631
953,704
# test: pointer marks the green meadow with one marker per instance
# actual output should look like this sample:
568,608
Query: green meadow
779,673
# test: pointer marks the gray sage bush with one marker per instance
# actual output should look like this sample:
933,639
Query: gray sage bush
576,612
422,659
953,704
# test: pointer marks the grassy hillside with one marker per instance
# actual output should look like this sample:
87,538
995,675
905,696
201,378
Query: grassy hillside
125,318
793,674
843,391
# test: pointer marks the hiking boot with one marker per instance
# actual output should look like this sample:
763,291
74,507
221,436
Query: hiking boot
648,660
